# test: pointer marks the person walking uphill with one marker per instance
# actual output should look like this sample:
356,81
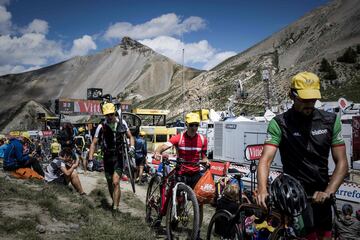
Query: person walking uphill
305,135
107,133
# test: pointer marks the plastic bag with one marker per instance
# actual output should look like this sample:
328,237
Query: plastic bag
205,188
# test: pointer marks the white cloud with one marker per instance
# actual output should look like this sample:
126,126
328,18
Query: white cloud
167,24
37,26
30,49
8,69
218,58
82,46
5,20
195,53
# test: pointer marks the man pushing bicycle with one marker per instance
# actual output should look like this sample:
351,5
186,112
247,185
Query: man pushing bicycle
191,147
305,135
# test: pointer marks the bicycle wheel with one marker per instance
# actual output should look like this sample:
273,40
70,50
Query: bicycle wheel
222,227
280,234
153,201
186,226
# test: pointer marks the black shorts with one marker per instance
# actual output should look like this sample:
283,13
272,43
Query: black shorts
60,180
191,180
318,217
113,163
140,161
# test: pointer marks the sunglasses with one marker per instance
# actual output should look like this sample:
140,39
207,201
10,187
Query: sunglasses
193,125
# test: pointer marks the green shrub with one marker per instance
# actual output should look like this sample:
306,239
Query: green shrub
331,74
348,57
324,66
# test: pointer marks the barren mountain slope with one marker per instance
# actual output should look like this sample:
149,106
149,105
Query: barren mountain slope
323,33
129,64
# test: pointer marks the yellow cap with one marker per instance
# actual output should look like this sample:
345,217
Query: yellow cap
192,118
108,108
307,85
142,133
26,136
81,129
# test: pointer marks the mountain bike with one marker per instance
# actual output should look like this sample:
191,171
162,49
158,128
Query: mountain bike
168,195
233,226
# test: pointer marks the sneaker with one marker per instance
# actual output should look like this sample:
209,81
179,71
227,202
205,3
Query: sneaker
115,212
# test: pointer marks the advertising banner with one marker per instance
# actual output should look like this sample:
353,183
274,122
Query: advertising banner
84,107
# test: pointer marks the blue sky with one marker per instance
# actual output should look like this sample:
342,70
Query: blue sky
38,33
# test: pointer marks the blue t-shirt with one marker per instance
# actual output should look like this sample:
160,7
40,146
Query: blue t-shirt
140,148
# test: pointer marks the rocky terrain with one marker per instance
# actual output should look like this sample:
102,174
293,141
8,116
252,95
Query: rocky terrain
134,71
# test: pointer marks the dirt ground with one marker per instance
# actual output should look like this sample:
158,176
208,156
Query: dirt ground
31,209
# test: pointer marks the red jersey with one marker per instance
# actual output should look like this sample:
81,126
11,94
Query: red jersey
191,149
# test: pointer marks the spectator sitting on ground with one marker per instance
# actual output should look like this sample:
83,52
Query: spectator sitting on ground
17,155
347,227
61,170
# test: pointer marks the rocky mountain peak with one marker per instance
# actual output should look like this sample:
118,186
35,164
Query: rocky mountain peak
129,43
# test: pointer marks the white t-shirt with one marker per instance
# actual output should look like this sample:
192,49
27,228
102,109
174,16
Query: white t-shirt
53,170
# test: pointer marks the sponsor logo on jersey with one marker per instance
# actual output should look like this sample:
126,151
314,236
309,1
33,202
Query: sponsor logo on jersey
319,132
296,134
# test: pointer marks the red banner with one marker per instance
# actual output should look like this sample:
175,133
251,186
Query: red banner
46,133
84,107
253,152
219,168
91,107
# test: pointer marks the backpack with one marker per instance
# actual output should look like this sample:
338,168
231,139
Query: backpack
110,140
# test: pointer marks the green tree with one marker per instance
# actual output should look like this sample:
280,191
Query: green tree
358,48
348,57
331,74
324,65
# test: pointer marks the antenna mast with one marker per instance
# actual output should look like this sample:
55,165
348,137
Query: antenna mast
183,80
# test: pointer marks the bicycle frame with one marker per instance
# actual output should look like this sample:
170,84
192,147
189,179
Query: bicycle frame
168,186
167,179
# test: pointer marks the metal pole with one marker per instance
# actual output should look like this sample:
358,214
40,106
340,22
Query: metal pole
183,83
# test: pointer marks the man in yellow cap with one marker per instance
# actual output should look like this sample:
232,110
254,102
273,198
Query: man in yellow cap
305,135
192,147
113,159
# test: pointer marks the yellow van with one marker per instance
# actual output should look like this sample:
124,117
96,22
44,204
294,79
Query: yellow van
156,136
